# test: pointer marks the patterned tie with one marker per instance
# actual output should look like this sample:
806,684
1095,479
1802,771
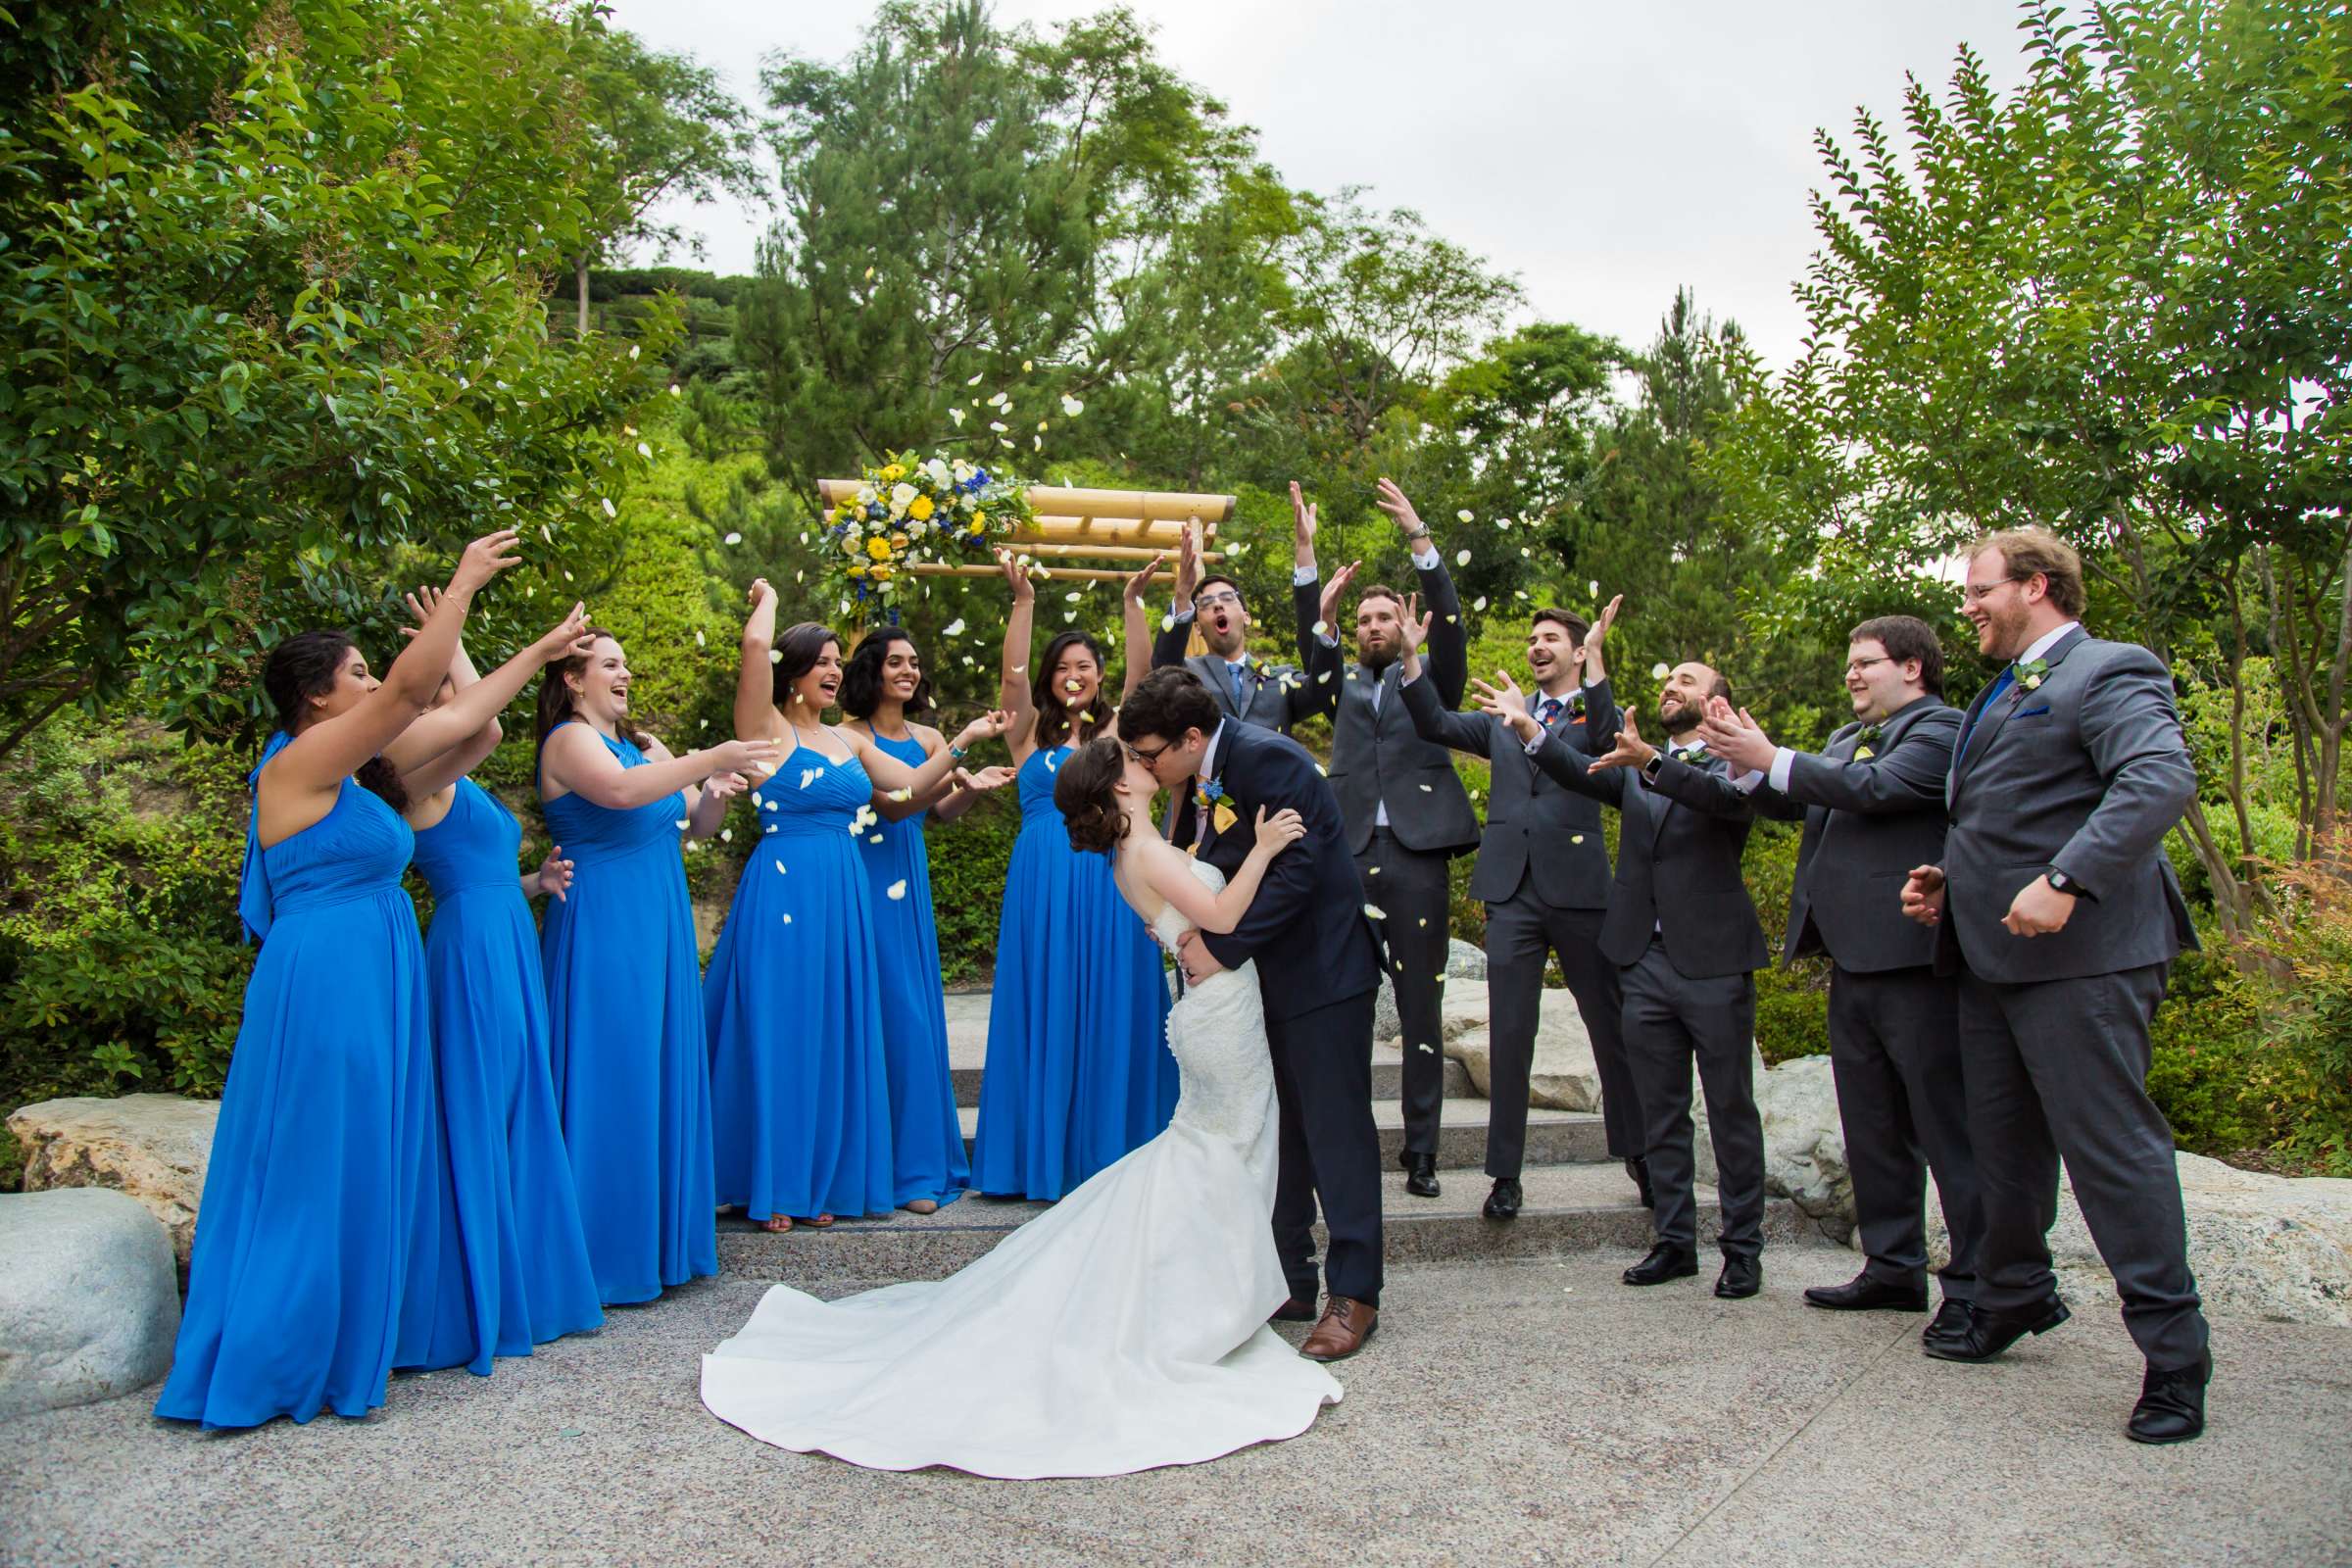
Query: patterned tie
2000,684
1547,713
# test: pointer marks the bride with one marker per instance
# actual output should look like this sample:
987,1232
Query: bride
1126,1327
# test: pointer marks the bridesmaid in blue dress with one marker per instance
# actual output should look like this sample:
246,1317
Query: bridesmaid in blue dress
623,990
323,1151
1078,1070
793,1002
500,1263
881,689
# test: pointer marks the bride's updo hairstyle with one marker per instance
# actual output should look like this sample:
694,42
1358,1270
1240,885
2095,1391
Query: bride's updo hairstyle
1085,790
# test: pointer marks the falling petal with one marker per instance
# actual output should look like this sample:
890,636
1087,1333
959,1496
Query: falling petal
1658,671
1461,557
611,510
1462,515
644,451
632,350
897,890
700,643
954,628
1373,912
734,539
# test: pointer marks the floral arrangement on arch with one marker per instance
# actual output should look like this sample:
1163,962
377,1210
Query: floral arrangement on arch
915,511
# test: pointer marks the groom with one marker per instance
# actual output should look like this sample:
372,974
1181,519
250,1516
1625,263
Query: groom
1317,967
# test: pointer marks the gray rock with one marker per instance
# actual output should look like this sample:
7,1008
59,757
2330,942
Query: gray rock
89,1300
151,1146
1464,961
1805,1144
1562,1076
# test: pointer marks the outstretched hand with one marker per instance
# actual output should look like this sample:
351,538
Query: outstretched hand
1333,591
553,875
1017,577
1735,736
1507,702
1631,749
1413,625
1139,583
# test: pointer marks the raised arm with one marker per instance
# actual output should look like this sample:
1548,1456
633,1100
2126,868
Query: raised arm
1447,652
1506,706
1908,777
891,776
1432,721
1170,873
1136,621
1012,671
446,742
327,753
1170,643
754,671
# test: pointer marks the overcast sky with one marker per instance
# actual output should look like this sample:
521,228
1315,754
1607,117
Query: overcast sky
1603,153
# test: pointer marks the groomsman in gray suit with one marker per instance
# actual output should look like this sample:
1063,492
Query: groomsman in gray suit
1407,814
1271,696
1543,876
1683,934
1872,805
2055,904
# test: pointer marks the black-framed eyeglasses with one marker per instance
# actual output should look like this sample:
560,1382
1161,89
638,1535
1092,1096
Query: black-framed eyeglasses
1221,596
1147,759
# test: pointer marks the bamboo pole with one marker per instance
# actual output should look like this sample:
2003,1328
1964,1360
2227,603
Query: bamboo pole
1059,501
932,569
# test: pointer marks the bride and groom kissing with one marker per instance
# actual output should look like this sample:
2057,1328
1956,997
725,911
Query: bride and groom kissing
1128,1326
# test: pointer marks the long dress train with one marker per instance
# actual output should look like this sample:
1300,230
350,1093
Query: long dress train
1121,1329
509,1265
926,1137
792,1008
1075,1075
624,1024
322,1152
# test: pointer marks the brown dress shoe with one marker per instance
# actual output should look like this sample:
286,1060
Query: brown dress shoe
1345,1328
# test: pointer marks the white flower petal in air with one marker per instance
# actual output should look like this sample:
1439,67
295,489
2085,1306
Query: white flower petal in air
698,638
611,510
956,414
788,921
901,795
1462,515
779,868
1593,588
674,392
1071,406
726,835
734,539
1480,603
681,824
974,382
1659,671
1461,557
809,775
632,350
1373,912
775,656
954,628
644,451
897,890
1027,365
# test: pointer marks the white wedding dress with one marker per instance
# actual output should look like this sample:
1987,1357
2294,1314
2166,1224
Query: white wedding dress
1121,1329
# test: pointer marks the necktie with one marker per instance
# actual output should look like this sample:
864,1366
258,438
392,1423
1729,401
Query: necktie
2000,684
1549,712
1235,670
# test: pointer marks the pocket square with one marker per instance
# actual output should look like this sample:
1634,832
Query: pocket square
2035,712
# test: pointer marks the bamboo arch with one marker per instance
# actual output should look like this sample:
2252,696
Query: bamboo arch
1074,527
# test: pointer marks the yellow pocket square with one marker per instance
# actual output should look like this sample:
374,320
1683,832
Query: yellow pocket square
1224,816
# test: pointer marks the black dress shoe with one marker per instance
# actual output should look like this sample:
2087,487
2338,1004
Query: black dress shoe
2172,1404
1949,1324
1742,1278
1990,1333
1663,1264
1421,1174
1639,1169
1504,1202
1294,1311
1862,1293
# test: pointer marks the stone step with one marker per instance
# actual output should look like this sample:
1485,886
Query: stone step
1553,1137
1568,1208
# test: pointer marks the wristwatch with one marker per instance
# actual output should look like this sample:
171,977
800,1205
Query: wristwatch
1649,770
2063,883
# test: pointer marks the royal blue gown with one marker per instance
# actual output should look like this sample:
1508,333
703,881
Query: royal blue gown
1078,1069
792,1008
323,1151
506,1264
926,1137
625,1043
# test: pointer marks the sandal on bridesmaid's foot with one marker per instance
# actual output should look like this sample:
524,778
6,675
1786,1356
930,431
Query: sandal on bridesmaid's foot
816,1222
775,1224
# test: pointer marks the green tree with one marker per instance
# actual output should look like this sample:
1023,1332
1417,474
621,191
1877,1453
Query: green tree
2117,303
271,309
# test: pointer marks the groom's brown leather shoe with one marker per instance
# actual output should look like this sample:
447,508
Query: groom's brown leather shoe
1345,1328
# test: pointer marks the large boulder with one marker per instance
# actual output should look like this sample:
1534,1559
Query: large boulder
1463,962
1804,1145
153,1148
89,1300
2276,1248
1562,1076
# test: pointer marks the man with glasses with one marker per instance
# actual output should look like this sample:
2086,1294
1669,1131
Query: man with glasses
2054,903
1872,805
1272,696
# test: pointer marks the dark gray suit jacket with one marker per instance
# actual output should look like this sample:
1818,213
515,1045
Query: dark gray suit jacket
1679,843
1868,823
1274,696
2083,774
1378,757
1536,831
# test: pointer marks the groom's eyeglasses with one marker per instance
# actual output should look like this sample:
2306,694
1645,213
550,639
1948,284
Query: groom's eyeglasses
1147,759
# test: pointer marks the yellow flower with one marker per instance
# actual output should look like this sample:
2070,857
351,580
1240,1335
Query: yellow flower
893,473
878,547
919,508
856,569
882,573
979,519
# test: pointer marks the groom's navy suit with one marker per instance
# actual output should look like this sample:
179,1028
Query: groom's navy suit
1318,968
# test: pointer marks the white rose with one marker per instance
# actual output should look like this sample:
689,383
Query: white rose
902,496
937,471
